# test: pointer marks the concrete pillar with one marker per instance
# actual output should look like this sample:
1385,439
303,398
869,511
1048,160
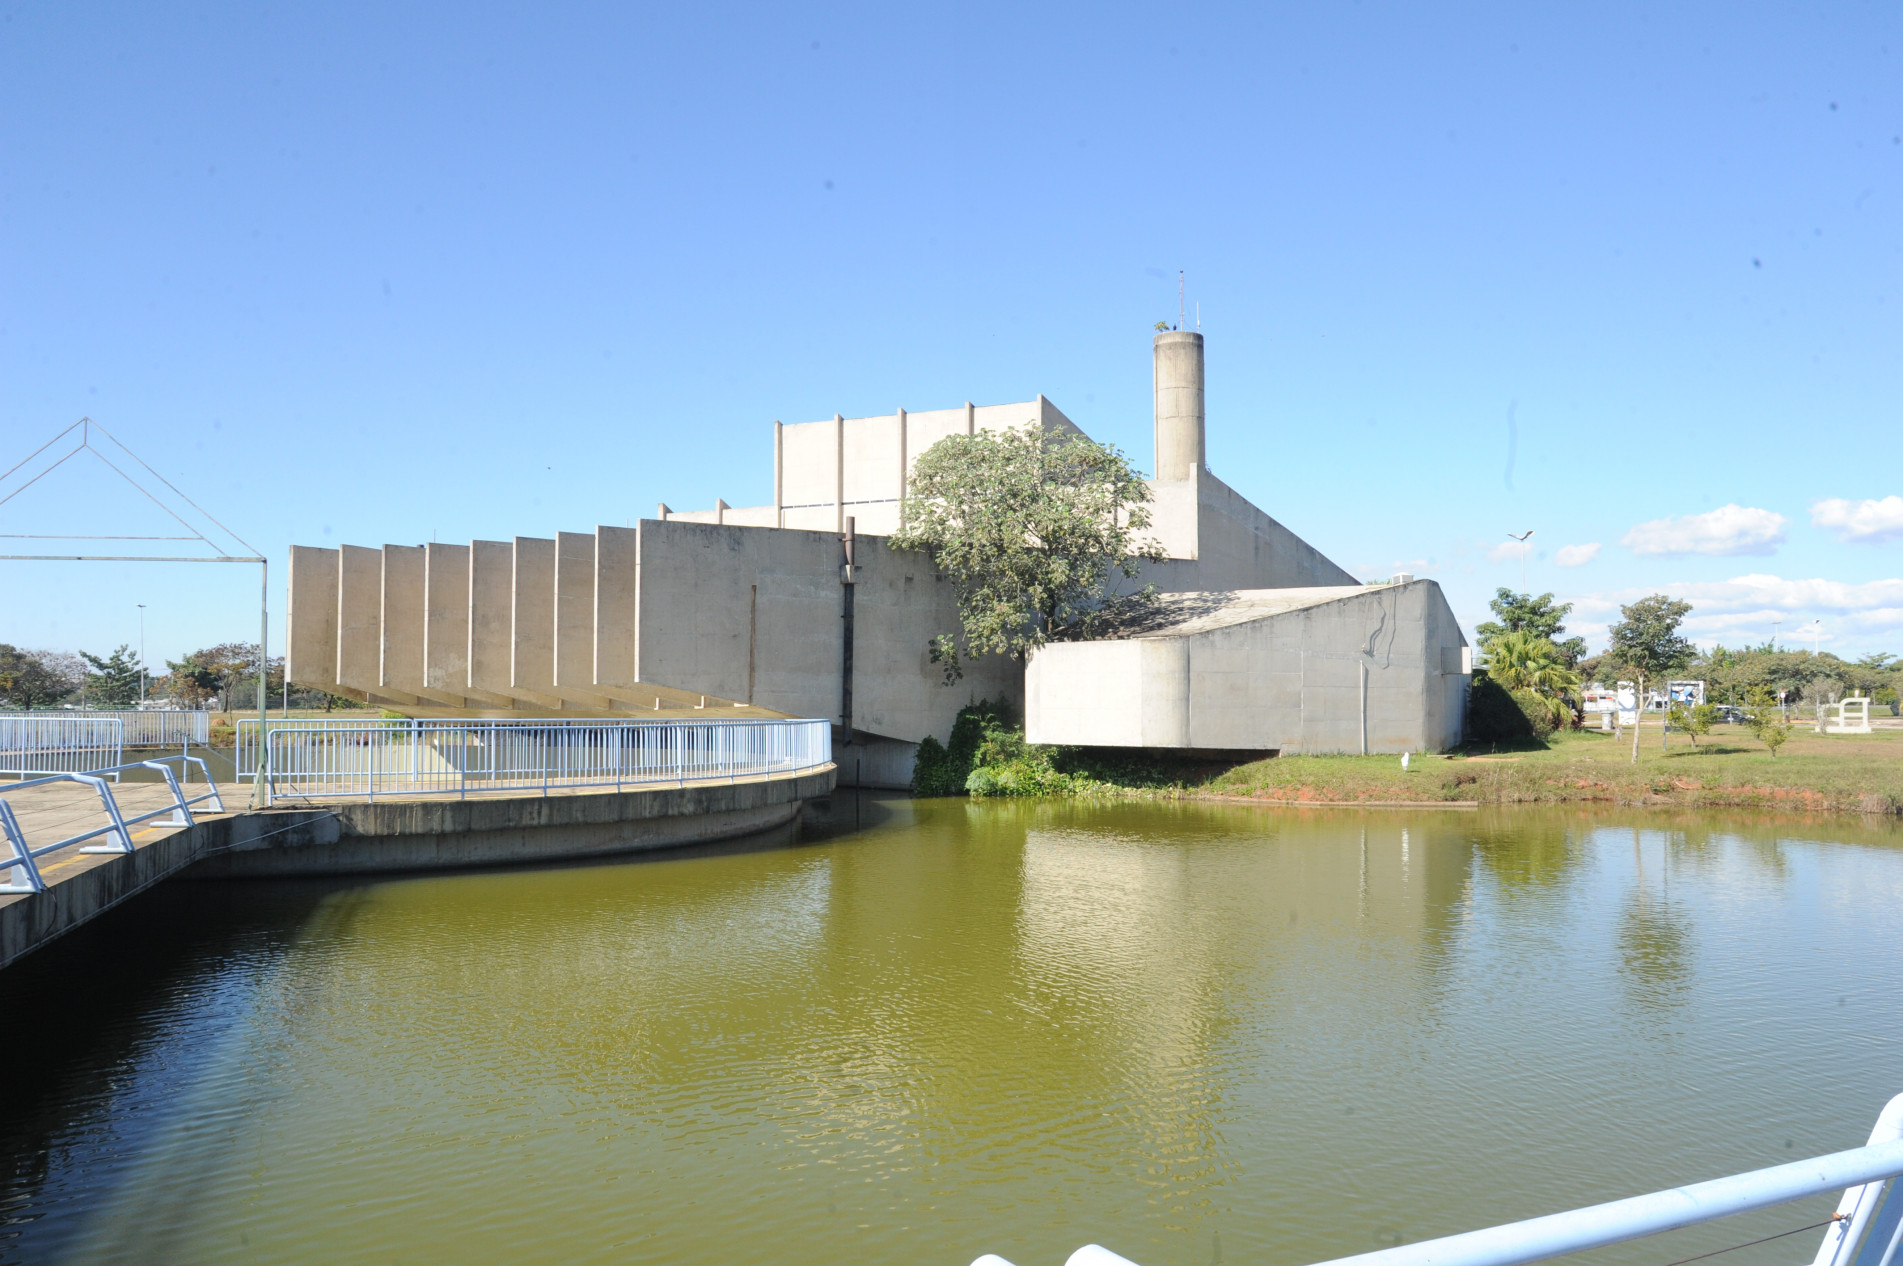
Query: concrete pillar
971,419
400,630
446,617
903,472
575,609
359,617
491,580
1179,405
532,614
311,648
617,558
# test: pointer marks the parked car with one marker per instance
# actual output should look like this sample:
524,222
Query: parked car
1729,715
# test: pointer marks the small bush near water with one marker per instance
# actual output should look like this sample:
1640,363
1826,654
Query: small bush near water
987,756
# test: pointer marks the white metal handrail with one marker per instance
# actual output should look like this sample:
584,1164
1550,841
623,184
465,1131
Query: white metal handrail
33,743
144,727
158,727
23,857
1866,1229
321,759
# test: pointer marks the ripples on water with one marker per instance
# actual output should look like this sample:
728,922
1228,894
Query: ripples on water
1194,1033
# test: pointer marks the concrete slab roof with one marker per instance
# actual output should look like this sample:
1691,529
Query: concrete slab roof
1176,614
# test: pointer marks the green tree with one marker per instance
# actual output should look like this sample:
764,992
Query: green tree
1646,643
229,669
114,680
33,679
1036,530
1695,721
1541,616
1767,721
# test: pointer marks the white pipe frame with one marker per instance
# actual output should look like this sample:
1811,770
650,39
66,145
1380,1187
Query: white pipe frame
1862,1216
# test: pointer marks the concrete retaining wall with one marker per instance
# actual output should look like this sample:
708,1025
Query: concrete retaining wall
410,835
1288,681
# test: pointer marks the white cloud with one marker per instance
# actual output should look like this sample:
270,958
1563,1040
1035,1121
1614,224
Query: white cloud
1732,529
1508,551
1754,607
1868,520
1576,555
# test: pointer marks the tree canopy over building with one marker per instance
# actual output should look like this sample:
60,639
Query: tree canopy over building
1038,532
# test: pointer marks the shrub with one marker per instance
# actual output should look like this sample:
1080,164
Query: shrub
1541,716
943,769
1495,716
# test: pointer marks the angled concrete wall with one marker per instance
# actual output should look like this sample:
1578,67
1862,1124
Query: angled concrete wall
1270,670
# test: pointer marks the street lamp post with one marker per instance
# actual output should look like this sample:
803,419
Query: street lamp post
1522,538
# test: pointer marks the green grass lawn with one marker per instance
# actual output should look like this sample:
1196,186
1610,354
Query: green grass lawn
1813,772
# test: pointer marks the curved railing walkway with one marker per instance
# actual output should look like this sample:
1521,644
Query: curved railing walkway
75,845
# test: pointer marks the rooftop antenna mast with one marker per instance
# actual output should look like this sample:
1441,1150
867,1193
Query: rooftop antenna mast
1179,299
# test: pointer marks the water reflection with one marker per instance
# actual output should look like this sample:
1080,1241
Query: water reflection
1186,1030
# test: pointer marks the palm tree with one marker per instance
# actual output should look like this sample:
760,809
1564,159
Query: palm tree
1522,660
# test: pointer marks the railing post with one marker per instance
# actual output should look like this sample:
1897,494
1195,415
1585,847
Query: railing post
112,812
29,869
182,814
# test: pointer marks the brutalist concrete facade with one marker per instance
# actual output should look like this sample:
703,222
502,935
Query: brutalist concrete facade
756,611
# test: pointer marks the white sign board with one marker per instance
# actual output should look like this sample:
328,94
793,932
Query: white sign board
1628,697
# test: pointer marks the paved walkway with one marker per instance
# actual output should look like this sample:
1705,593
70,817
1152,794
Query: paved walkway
59,810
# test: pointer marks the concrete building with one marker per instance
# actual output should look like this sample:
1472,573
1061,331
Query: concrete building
1323,669
801,607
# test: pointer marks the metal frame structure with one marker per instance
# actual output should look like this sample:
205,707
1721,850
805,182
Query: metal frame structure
24,857
320,759
208,531
1865,1230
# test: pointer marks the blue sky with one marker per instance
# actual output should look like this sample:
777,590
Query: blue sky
1626,277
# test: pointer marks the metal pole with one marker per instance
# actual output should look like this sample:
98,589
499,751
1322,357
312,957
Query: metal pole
1364,707
264,644
141,653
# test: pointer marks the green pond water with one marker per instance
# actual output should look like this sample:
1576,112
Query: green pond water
919,1031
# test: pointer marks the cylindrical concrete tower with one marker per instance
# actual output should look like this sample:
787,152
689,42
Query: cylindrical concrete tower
1179,405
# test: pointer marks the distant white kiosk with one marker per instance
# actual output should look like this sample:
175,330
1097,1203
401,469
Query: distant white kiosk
1852,716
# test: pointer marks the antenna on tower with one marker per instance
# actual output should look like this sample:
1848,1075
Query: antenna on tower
1199,314
1179,298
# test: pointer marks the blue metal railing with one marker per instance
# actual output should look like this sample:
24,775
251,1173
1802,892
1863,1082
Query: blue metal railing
325,759
19,863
